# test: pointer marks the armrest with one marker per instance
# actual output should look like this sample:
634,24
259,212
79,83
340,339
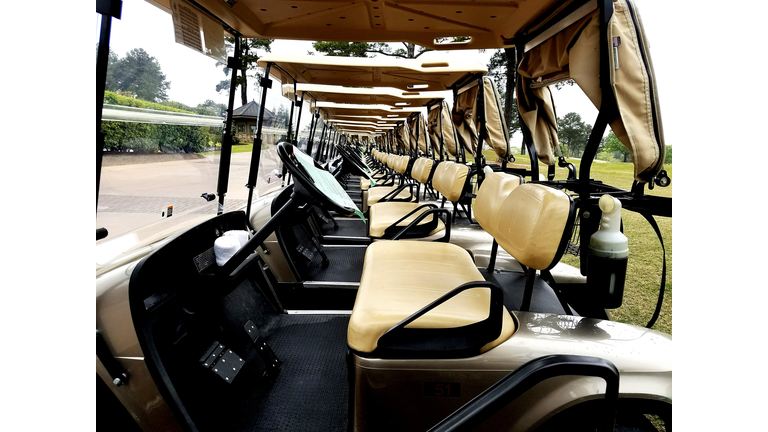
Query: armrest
393,194
403,342
434,210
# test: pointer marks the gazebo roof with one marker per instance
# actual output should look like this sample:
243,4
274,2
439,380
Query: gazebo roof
251,111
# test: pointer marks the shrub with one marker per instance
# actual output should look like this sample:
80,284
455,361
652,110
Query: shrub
141,145
116,99
144,137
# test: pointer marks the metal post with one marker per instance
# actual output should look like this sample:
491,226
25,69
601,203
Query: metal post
482,131
299,103
234,63
312,130
321,142
290,119
108,9
253,172
608,109
527,140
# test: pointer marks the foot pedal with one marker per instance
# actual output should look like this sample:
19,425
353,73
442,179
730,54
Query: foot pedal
271,362
222,361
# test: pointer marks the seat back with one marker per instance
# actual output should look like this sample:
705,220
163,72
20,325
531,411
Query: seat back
533,223
491,196
421,170
450,179
401,164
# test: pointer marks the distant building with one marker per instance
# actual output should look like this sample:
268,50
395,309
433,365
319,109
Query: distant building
245,120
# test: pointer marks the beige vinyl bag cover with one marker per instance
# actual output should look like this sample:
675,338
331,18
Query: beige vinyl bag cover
441,126
418,132
403,137
497,133
574,52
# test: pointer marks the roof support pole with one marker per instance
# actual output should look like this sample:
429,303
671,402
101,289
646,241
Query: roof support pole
108,9
299,104
482,131
234,63
608,108
321,142
289,138
253,171
312,130
527,139
442,136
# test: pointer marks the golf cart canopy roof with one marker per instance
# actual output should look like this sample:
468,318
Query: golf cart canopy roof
331,110
486,24
403,74
556,40
356,95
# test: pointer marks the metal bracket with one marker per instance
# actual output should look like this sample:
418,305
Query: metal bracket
266,83
234,63
271,362
111,8
222,361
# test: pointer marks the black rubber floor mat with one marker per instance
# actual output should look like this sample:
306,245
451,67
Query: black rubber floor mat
345,264
347,228
311,391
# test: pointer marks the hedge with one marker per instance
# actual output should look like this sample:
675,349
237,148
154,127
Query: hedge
154,138
116,99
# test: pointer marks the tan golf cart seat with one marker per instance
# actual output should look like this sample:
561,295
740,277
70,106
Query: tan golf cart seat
401,277
449,179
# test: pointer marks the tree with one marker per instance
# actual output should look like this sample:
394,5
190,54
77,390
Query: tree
140,74
249,54
112,58
613,144
573,134
362,49
217,109
342,49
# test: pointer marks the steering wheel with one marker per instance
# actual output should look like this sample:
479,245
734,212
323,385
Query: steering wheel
356,164
313,182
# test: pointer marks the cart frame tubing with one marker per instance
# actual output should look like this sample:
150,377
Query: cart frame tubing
253,171
482,131
312,130
226,143
108,9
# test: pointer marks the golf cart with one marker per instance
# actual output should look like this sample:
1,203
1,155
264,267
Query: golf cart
200,328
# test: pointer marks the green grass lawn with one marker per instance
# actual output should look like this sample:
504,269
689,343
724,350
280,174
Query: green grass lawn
645,254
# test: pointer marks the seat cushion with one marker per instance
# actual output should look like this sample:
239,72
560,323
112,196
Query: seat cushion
383,215
379,192
449,179
490,197
364,183
401,277
536,224
421,170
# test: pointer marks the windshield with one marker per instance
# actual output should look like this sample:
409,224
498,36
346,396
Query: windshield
163,121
